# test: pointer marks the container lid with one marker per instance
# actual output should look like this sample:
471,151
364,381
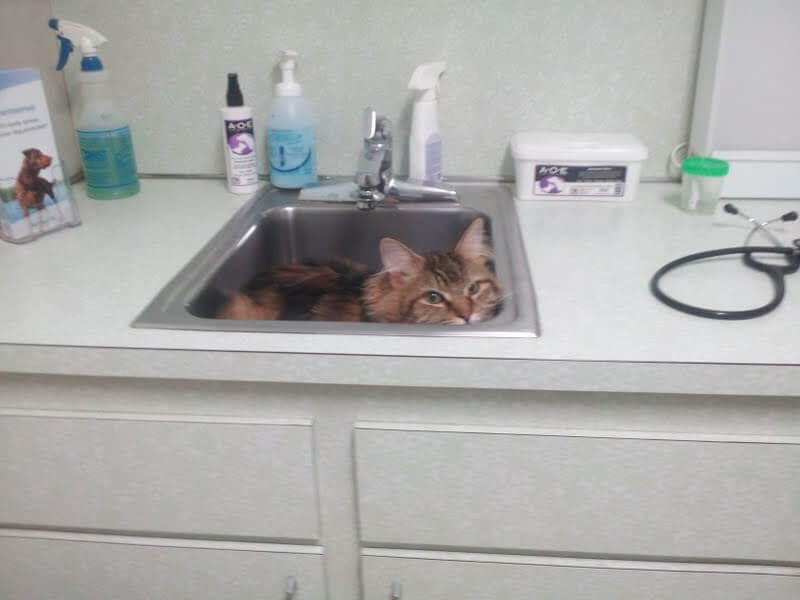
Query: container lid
704,166
553,145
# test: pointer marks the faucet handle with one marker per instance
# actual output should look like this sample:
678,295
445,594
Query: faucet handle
375,126
369,123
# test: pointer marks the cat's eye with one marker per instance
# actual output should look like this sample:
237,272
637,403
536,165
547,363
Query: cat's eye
433,297
473,288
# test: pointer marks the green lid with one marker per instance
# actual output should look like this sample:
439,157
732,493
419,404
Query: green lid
705,166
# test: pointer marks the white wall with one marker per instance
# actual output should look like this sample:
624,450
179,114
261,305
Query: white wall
577,65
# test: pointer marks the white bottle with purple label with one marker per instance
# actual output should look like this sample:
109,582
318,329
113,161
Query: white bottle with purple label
425,141
241,166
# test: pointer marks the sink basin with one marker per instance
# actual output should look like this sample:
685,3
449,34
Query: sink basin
275,229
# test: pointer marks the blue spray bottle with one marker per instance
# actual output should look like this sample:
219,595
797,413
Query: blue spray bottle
104,137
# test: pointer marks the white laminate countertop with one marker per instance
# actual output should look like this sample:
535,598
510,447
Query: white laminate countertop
69,298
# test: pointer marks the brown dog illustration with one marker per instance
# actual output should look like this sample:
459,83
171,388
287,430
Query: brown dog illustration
31,189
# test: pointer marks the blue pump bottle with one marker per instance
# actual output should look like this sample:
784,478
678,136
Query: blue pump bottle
290,134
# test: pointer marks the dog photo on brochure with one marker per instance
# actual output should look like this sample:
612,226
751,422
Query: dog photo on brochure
35,196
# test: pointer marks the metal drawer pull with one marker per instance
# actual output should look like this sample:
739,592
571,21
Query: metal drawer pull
291,587
397,591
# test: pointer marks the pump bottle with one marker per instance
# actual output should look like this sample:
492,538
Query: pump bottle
425,141
290,133
104,137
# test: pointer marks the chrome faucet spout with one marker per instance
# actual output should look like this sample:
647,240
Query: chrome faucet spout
374,176
372,162
376,154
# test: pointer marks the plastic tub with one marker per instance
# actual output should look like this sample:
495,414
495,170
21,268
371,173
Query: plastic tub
577,166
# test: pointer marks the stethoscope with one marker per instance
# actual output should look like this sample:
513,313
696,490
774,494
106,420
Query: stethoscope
775,272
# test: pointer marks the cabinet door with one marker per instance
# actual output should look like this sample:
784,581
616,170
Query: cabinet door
443,576
104,567
159,474
550,494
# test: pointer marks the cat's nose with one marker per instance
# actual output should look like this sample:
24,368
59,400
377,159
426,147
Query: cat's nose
463,309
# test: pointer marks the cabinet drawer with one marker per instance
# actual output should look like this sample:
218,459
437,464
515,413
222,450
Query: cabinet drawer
159,474
444,576
102,567
567,493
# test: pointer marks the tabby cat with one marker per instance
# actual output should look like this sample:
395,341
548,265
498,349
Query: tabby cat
454,287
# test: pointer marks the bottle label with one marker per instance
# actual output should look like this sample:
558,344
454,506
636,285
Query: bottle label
433,158
107,155
570,180
241,151
291,150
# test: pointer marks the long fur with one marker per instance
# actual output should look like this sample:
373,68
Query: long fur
343,290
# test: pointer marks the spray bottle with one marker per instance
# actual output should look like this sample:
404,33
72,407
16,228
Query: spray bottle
290,134
104,137
239,143
425,141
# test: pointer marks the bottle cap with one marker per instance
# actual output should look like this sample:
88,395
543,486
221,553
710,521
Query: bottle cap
234,93
705,166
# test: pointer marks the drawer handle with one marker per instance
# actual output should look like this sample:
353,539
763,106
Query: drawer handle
291,587
396,591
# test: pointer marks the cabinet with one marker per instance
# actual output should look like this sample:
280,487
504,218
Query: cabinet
480,513
578,493
452,576
155,473
172,489
96,567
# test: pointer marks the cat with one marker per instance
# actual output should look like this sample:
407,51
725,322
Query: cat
452,287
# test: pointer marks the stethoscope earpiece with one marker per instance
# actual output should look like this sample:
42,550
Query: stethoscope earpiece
730,208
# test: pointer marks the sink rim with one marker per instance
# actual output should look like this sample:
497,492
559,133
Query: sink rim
169,309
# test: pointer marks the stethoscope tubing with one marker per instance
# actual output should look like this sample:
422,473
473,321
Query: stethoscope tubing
774,272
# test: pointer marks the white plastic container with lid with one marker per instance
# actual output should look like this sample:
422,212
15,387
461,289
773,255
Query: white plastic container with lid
577,166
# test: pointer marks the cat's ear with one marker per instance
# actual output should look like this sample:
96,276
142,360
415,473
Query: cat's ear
399,261
472,244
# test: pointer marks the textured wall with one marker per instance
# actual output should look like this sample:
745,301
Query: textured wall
577,65
25,41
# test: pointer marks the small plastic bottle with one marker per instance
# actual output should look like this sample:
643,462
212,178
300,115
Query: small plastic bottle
703,177
239,142
290,134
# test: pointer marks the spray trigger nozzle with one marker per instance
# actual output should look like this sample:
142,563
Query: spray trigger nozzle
71,34
425,79
64,49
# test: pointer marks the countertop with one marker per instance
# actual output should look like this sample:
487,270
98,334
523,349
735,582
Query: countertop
69,298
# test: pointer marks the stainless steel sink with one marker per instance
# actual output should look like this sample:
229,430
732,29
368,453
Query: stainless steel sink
274,228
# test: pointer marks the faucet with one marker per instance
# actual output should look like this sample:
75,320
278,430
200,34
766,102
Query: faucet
374,176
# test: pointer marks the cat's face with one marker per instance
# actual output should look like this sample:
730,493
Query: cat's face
453,287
